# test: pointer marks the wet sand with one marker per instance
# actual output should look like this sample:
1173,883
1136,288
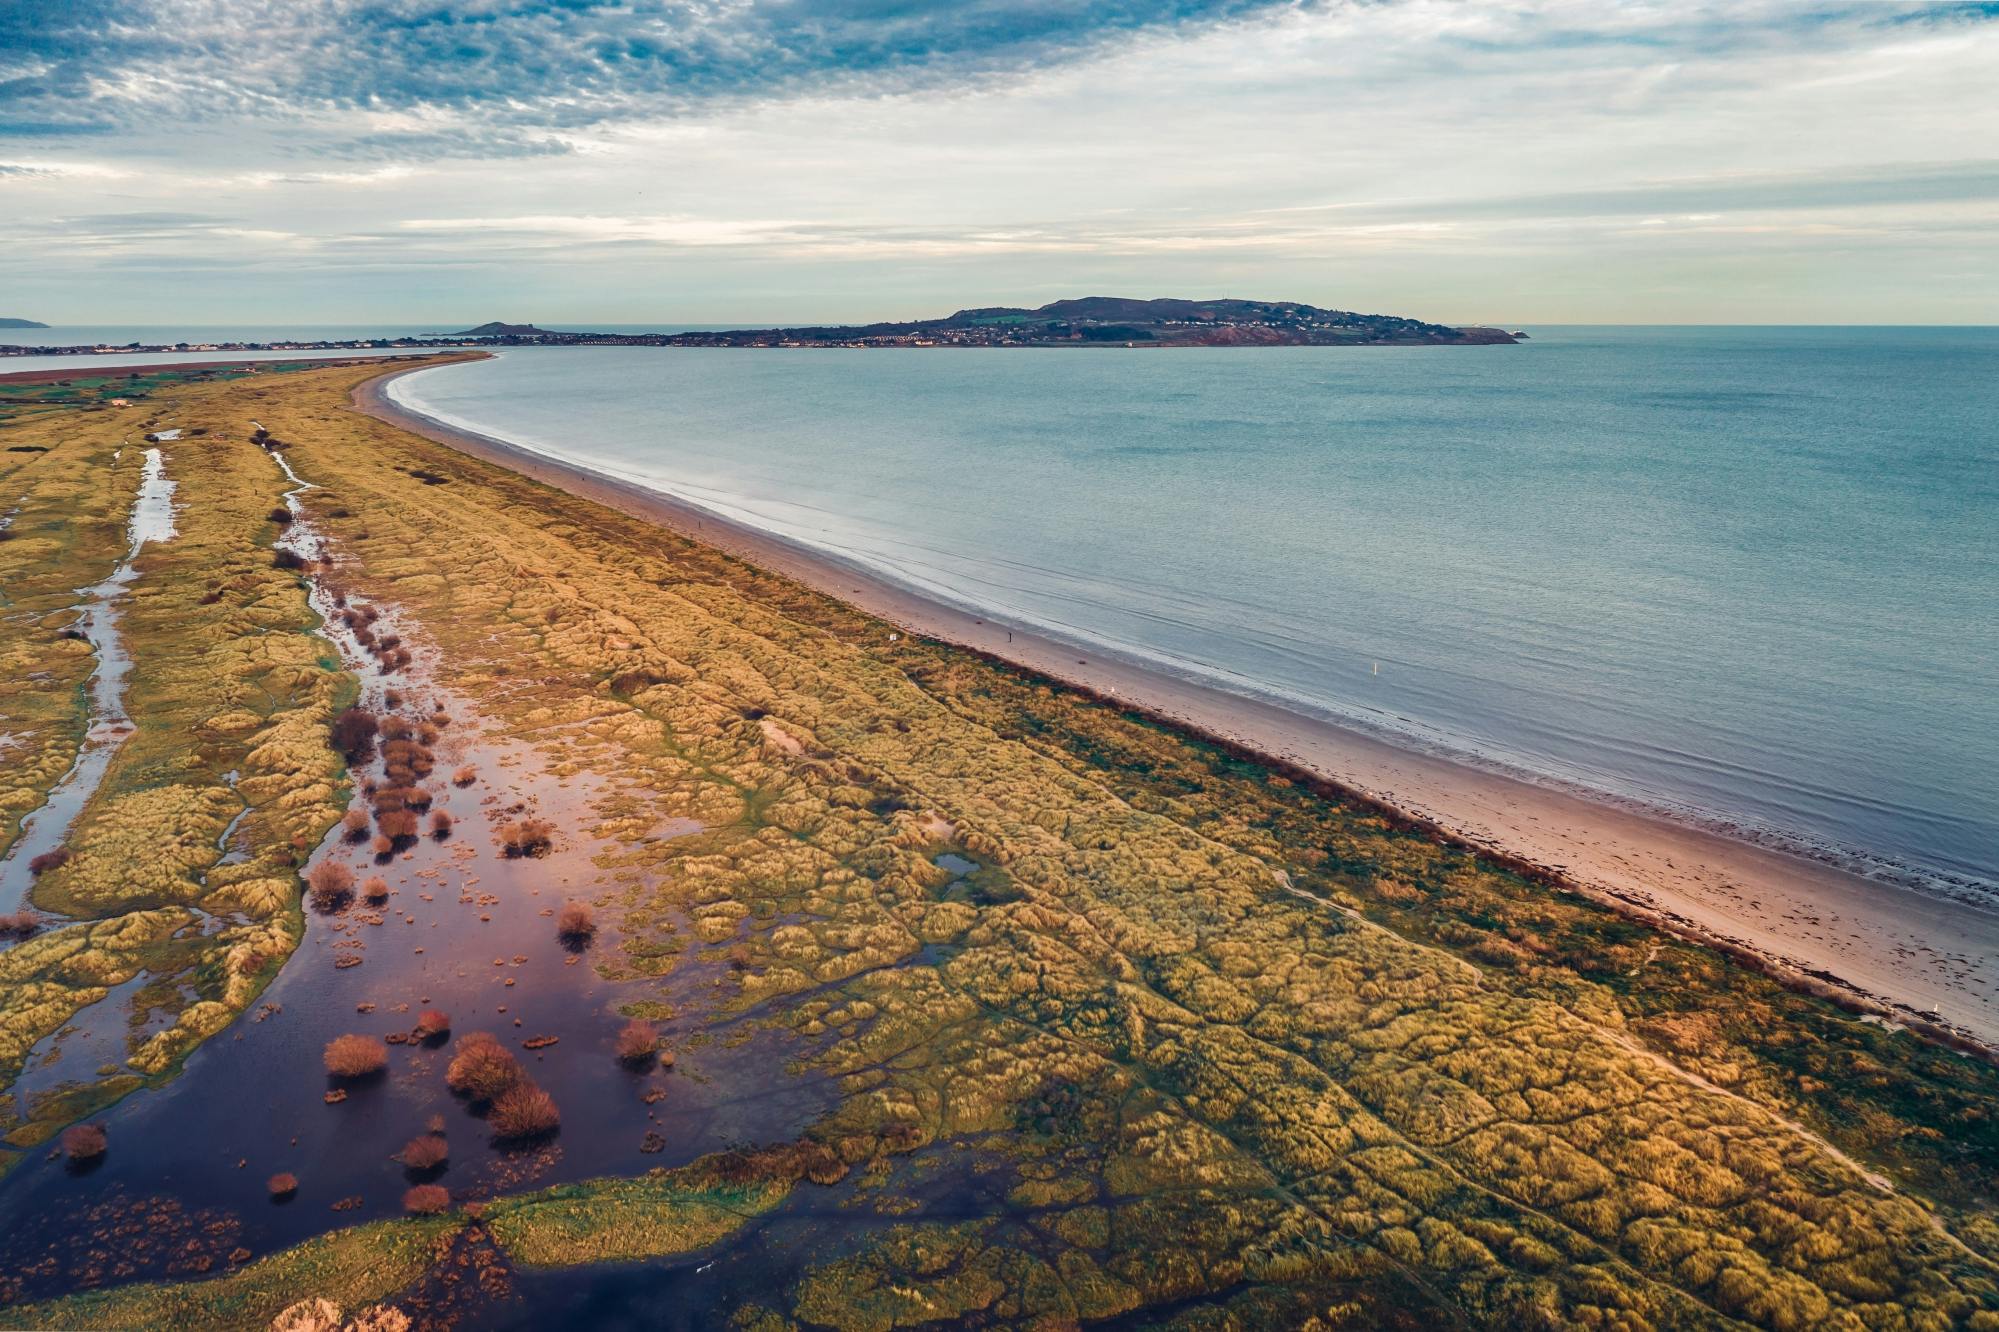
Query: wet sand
1923,960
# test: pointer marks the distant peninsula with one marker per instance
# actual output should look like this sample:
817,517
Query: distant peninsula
21,323
1090,321
496,329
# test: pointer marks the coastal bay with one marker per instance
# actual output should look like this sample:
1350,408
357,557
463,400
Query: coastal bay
987,974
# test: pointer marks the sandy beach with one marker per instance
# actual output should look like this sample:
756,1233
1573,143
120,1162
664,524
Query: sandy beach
1924,961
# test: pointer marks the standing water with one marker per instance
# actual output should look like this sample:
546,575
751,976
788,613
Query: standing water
45,829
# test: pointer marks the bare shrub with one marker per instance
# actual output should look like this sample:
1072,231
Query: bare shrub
427,1200
355,1056
396,824
638,1044
19,924
526,837
524,1111
482,1068
55,858
84,1142
331,883
282,1184
576,923
425,1152
353,734
440,825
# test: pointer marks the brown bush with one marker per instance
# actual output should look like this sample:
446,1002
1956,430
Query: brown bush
440,825
418,799
425,1152
282,1185
576,923
287,559
19,924
638,1044
355,1056
84,1142
355,821
395,728
526,837
331,883
433,1022
382,846
376,888
353,734
465,776
481,1067
281,516
396,824
48,860
525,1111
392,698
427,1200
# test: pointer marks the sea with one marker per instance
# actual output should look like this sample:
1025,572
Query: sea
1747,577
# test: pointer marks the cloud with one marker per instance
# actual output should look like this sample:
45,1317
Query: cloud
502,69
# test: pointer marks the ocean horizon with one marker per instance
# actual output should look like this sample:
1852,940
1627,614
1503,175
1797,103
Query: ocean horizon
1739,576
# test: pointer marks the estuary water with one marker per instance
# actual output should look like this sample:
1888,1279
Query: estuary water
1745,576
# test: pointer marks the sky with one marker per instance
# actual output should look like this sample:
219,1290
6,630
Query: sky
745,161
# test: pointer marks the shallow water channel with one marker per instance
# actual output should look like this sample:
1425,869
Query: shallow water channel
46,828
464,929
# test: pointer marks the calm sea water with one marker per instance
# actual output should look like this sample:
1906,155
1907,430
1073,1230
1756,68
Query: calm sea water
1742,575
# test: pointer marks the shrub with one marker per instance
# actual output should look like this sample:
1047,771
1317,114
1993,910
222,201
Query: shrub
440,825
427,1200
84,1142
282,1185
638,1043
383,847
465,776
425,1152
433,1022
48,860
353,733
396,824
576,923
331,882
526,837
286,559
482,1068
376,889
281,516
355,821
392,698
19,924
355,1056
525,1111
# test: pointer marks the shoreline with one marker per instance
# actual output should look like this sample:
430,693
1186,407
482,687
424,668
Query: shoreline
1870,945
